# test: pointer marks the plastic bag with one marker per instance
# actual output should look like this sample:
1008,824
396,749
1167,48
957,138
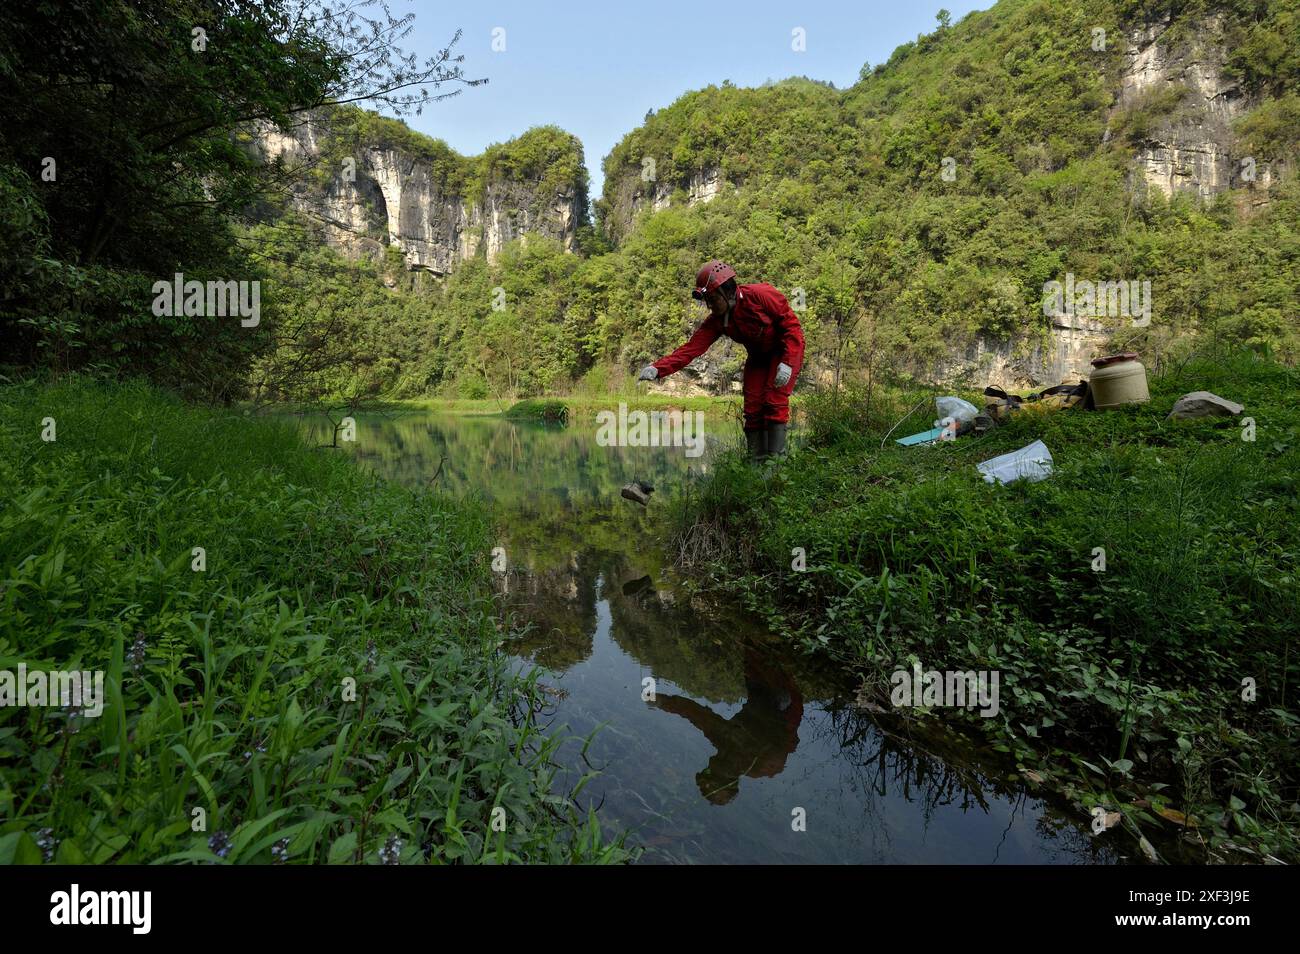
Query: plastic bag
1033,462
954,407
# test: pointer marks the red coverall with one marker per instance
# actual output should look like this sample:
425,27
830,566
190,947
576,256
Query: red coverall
764,323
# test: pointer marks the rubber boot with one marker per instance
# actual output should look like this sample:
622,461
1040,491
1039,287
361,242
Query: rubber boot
776,439
757,442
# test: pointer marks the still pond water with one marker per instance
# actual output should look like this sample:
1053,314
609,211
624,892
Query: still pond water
742,732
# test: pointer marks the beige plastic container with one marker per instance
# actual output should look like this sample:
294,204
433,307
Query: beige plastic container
1124,382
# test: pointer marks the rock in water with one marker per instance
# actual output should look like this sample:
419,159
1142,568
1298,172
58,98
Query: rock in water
638,586
634,492
1203,404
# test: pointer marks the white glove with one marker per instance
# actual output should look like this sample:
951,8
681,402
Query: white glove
783,372
648,373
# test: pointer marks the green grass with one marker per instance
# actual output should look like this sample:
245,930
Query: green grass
540,409
229,691
1122,688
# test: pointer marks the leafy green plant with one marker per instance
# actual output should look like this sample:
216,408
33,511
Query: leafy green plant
1163,682
328,688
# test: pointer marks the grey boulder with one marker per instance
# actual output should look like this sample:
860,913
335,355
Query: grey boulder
1203,404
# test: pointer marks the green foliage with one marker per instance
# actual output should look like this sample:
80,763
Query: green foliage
1269,130
144,178
64,314
227,689
473,341
340,331
548,412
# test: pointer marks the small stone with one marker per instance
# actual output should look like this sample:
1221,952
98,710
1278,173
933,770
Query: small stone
1199,404
634,493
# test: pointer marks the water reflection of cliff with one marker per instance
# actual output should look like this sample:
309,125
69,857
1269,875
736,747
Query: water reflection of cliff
512,462
564,528
647,622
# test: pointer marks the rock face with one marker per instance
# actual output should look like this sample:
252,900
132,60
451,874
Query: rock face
1192,148
636,189
392,197
1065,356
717,371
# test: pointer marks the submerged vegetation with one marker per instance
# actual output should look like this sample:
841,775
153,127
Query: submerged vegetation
1158,683
322,681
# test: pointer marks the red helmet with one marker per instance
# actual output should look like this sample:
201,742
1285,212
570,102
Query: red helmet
711,276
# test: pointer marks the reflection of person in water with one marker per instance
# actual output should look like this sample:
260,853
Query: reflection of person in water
755,741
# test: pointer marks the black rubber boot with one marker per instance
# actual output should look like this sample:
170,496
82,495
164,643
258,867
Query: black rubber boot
776,440
757,442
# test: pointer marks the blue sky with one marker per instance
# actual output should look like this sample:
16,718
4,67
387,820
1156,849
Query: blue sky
595,68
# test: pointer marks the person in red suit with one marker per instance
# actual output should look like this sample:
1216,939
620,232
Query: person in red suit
758,317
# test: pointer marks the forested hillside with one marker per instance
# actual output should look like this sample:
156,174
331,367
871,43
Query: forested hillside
1055,155
914,219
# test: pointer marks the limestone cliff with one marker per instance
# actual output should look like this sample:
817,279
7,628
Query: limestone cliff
1193,147
372,183
633,189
